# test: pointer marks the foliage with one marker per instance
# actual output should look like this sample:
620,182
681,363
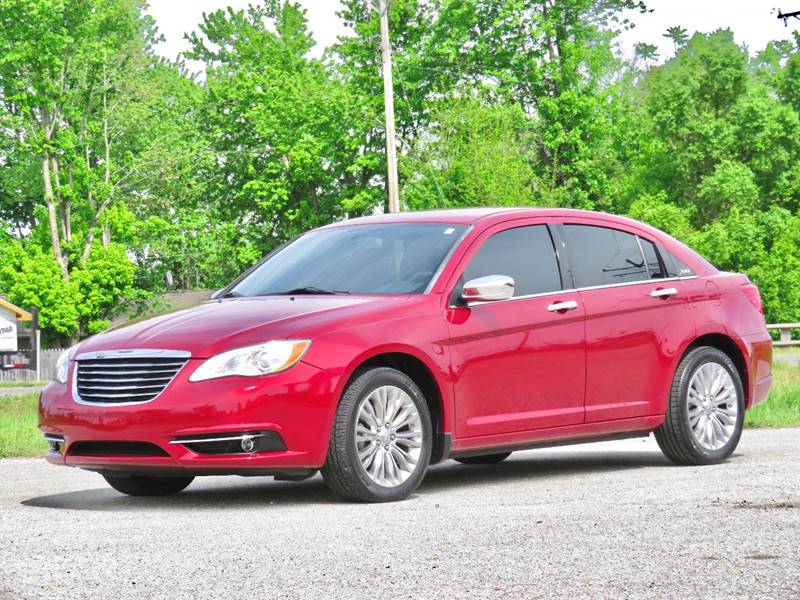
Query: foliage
284,133
19,435
476,155
81,305
782,408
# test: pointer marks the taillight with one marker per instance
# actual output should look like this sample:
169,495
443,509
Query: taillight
752,293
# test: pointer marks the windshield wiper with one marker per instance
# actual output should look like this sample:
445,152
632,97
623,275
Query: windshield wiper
308,290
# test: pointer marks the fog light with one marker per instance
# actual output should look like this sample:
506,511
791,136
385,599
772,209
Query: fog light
54,441
248,445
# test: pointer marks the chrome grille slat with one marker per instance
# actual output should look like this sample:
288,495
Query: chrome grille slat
93,371
82,387
94,379
122,377
128,395
113,365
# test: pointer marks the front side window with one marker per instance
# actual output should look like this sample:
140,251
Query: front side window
393,258
525,254
603,256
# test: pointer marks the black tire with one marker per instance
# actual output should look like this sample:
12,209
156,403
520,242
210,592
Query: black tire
343,472
675,437
484,459
145,485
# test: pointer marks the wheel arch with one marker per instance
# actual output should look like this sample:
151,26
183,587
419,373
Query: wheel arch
422,374
732,350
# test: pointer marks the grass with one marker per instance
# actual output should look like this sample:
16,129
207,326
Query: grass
782,408
19,435
15,384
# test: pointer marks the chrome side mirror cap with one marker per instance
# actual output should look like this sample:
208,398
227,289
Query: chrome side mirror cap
488,289
216,294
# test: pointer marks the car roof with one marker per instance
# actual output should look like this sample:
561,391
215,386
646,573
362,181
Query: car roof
471,216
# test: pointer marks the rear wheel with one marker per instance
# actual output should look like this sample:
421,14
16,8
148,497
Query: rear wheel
382,437
145,485
485,459
705,415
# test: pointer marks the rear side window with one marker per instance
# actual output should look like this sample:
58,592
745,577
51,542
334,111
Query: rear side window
655,268
675,266
603,256
524,253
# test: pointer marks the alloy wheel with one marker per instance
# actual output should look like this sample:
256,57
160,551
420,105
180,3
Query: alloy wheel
388,436
712,405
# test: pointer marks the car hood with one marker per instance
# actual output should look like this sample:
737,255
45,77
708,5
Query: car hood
220,325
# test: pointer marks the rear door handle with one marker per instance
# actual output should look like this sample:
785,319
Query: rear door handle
563,306
663,292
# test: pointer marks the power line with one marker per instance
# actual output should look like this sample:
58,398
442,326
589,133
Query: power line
787,16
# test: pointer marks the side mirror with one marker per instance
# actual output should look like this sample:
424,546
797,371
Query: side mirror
488,289
216,294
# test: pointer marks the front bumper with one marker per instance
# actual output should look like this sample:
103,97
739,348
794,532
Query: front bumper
298,405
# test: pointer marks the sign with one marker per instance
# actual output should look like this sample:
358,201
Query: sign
8,331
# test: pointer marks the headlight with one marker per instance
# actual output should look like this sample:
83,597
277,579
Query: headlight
252,361
62,365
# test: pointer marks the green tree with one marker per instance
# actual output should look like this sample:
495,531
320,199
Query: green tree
677,35
286,137
476,154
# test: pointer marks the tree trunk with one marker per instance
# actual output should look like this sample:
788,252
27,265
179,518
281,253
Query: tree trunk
64,208
52,217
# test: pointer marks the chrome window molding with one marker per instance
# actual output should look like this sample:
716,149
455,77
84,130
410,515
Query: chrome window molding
123,353
524,297
642,282
581,289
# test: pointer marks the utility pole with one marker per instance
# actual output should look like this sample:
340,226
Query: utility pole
383,6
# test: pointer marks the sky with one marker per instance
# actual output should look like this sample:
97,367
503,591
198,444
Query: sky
753,22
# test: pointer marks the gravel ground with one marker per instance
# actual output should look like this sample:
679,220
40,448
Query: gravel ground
593,521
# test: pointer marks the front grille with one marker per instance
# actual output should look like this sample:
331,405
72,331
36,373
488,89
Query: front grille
116,449
125,379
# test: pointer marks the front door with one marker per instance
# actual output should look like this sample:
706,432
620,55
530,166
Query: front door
518,364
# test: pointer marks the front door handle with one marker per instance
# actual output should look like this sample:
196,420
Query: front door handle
563,306
663,292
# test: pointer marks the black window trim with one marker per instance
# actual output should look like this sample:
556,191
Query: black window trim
659,257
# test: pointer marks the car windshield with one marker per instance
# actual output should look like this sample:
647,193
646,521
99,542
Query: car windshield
395,258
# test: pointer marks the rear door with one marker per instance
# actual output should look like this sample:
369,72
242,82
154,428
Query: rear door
637,318
517,364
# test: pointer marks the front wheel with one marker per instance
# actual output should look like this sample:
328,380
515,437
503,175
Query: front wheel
381,442
705,415
145,485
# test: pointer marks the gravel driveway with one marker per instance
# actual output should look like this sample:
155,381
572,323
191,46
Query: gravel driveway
601,520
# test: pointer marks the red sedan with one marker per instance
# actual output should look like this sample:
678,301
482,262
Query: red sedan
372,348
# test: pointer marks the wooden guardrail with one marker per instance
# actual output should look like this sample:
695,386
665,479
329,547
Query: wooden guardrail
785,334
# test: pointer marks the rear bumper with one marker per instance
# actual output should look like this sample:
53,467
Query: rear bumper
759,349
298,405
